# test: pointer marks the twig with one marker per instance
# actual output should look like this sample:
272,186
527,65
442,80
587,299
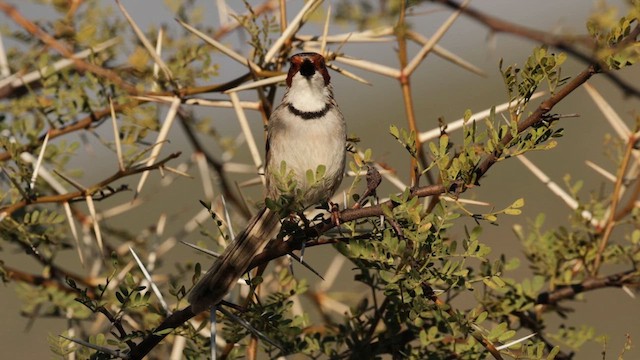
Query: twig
570,291
404,79
433,40
146,43
91,190
162,136
615,198
61,48
246,130
217,166
563,43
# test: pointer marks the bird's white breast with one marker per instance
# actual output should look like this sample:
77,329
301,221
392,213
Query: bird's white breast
309,144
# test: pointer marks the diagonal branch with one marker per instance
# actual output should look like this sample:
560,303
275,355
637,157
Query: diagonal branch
217,166
8,210
564,43
61,48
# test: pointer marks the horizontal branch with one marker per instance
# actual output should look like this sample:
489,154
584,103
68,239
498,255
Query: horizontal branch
80,194
96,116
631,277
39,280
84,123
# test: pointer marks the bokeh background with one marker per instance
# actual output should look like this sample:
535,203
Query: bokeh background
441,90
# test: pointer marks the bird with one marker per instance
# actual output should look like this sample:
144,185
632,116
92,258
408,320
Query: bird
306,132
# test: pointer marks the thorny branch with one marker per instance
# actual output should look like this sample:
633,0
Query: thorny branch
564,43
615,198
217,166
70,196
63,49
631,277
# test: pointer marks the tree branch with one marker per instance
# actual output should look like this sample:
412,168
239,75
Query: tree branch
8,210
631,277
61,48
563,43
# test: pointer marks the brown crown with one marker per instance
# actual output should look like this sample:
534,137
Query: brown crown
298,60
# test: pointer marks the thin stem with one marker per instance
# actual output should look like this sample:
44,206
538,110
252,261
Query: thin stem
405,85
563,43
89,191
61,48
407,97
611,221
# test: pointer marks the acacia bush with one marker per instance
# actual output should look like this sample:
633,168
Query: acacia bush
87,78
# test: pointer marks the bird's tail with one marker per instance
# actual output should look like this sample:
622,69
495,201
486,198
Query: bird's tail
234,261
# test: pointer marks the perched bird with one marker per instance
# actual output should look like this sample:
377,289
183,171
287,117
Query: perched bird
306,132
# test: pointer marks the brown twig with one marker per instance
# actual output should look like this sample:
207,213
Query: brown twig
217,166
173,321
631,202
89,191
407,97
615,198
564,43
81,124
61,48
37,280
569,292
374,179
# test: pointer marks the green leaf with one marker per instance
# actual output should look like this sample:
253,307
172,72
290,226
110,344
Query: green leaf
497,331
367,155
310,177
490,217
498,281
163,332
394,131
481,318
509,211
518,203
490,283
320,172
506,335
552,354
444,143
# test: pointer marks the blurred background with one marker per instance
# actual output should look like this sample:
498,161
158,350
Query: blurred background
441,90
